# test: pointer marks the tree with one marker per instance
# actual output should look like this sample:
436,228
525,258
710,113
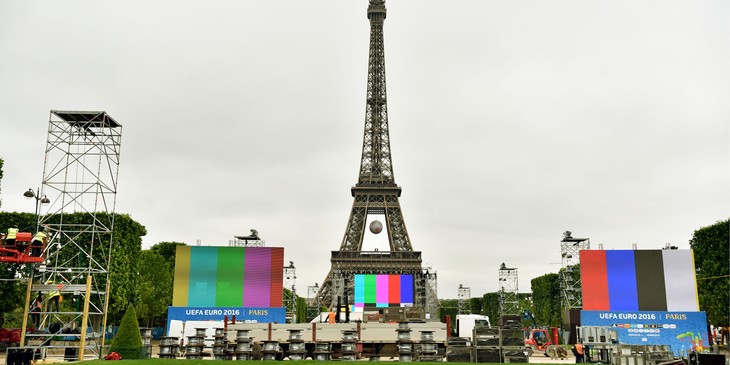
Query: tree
167,251
154,288
12,288
546,299
126,248
448,307
128,341
491,307
24,221
155,282
13,296
301,310
710,246
1,177
476,305
525,303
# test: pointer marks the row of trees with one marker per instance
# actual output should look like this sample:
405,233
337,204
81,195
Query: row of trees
13,297
140,277
125,264
145,278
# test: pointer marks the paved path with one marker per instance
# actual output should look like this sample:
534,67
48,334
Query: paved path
540,359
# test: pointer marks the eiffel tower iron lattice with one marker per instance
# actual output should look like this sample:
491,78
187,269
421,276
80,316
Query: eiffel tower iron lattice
375,193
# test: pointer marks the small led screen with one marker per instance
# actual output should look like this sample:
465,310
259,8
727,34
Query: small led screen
380,291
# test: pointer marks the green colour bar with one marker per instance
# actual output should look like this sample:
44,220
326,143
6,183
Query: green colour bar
371,288
229,284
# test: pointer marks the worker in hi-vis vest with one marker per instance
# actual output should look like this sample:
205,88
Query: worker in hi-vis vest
10,237
54,296
39,241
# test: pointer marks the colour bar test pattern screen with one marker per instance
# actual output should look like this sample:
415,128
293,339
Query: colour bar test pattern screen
208,276
380,291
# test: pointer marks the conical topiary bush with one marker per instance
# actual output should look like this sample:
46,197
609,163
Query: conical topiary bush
128,341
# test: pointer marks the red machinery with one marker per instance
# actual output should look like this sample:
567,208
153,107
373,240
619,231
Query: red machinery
10,335
539,339
21,250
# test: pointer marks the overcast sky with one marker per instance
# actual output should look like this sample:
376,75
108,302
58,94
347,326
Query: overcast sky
510,121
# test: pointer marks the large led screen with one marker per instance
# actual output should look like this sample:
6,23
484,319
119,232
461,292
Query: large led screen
380,291
638,280
228,277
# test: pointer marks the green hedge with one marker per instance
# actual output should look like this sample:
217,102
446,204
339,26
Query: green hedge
128,341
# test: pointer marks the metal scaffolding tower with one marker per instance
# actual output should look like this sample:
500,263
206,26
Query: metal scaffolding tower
464,297
80,178
375,194
290,297
430,293
570,285
509,303
312,302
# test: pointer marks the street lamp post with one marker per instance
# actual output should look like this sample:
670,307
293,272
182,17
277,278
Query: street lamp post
38,200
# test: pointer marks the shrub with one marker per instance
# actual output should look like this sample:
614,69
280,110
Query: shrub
128,341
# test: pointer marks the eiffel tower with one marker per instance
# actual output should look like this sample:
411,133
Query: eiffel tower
375,193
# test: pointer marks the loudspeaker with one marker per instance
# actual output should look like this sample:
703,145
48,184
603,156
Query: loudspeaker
71,354
19,357
710,359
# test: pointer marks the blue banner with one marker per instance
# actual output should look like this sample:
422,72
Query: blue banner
683,331
257,315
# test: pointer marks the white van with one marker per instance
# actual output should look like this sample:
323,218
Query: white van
465,324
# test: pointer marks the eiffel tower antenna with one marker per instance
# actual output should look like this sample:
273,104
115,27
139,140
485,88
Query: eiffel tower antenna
375,192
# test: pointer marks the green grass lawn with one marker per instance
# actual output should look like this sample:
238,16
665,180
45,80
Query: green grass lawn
230,362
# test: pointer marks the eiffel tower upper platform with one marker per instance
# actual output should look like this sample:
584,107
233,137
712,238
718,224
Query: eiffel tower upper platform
376,193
